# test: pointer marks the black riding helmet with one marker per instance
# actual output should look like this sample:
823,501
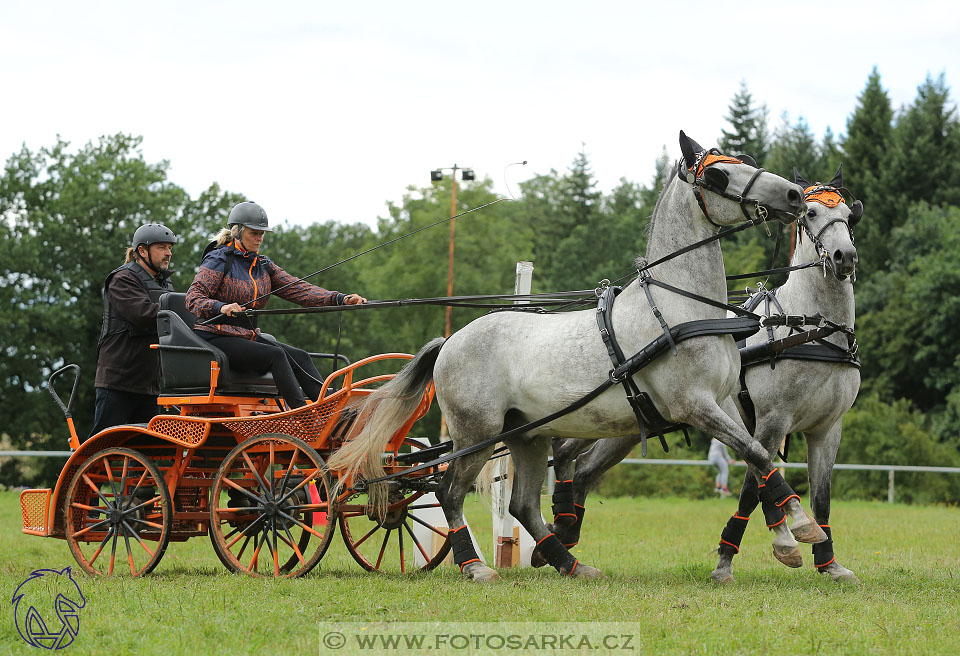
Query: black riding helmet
153,233
249,215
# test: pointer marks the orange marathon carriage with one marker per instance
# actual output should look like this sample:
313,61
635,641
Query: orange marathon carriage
232,463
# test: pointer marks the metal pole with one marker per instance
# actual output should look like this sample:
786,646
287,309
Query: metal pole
890,486
453,223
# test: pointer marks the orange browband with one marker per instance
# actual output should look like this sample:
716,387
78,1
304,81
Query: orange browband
711,158
827,196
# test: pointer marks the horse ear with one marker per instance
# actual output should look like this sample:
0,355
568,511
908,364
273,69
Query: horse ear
746,159
689,149
799,179
837,181
856,213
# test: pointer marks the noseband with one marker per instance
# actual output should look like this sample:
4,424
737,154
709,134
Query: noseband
695,176
828,197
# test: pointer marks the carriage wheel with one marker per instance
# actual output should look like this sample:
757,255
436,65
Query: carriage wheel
118,501
410,537
269,508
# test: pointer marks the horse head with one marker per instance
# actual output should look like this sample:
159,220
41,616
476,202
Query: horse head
731,190
32,601
829,223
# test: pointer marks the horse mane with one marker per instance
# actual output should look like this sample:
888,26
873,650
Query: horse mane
669,172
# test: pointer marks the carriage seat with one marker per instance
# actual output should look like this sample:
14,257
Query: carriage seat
185,357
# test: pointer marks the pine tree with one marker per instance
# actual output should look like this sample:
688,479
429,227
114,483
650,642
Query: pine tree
749,127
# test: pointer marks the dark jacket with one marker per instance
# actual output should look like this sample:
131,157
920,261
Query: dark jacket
125,360
251,275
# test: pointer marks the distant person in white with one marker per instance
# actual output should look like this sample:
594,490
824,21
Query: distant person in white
719,457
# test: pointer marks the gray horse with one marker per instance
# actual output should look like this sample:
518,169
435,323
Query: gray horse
510,368
808,388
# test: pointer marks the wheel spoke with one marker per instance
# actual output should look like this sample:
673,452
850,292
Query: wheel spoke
300,524
220,511
133,568
113,485
97,509
145,503
423,523
103,543
137,536
242,546
383,548
364,538
309,479
257,544
292,544
242,489
286,474
270,469
419,546
143,521
91,527
276,556
97,490
403,562
253,469
123,474
133,494
244,532
424,506
113,553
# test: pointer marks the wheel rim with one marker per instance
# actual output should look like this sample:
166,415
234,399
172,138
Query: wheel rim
401,541
117,514
263,520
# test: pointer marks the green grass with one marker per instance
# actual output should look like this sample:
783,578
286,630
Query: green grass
656,554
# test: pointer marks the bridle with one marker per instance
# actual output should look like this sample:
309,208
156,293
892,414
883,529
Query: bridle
827,196
695,175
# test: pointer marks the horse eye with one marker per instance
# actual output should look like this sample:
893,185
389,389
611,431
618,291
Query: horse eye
812,213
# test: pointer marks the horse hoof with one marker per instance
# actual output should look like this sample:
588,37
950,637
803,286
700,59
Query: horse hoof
723,576
789,556
839,573
537,559
480,573
808,532
586,572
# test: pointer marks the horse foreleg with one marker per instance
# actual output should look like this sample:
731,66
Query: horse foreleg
732,533
456,482
530,469
821,454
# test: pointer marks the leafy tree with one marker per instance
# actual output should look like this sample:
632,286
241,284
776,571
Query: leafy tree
67,219
748,127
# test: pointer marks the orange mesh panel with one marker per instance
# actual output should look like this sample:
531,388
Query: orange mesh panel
827,196
710,158
182,429
35,505
304,423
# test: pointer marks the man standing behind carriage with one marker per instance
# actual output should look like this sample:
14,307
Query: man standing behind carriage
127,368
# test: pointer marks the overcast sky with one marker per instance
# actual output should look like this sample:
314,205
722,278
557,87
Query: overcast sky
324,111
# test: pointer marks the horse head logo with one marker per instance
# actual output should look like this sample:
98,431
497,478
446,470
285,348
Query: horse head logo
43,588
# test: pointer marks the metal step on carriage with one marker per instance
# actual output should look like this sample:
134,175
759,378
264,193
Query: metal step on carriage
230,462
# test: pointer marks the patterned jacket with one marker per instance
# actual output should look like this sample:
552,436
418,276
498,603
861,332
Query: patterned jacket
251,276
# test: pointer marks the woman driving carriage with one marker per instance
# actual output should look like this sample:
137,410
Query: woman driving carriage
232,276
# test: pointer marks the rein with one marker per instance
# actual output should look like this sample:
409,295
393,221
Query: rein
356,255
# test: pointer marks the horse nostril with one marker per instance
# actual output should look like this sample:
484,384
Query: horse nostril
794,198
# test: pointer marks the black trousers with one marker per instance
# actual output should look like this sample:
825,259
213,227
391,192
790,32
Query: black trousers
291,367
115,408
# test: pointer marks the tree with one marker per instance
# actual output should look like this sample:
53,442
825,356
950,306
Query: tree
67,219
866,154
748,123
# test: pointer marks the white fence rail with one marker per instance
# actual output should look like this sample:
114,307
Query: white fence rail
890,469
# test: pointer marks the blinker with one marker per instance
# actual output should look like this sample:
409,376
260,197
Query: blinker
856,213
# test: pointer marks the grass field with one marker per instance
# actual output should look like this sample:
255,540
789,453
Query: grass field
656,554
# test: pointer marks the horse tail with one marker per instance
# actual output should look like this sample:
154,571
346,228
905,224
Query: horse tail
381,415
491,470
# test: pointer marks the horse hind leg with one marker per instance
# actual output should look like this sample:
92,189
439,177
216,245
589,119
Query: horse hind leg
456,483
530,469
821,454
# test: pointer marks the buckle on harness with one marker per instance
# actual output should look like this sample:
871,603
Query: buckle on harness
604,284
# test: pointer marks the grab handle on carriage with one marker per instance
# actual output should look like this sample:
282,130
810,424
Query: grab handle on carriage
73,392
74,439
